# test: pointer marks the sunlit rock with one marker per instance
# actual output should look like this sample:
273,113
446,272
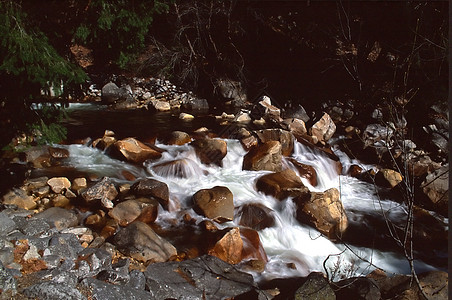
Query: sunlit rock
281,184
142,209
252,246
215,203
323,211
323,129
135,151
179,138
210,151
139,241
104,190
284,137
305,171
59,184
20,198
266,156
229,247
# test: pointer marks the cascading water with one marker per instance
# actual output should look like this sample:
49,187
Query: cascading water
293,249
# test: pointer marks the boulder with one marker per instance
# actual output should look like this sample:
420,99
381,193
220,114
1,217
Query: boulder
422,165
58,217
266,110
266,156
388,178
232,90
139,241
305,171
252,246
256,216
323,211
285,138
149,187
59,184
297,127
135,151
108,291
111,93
160,105
282,185
142,209
104,190
249,142
205,277
210,151
215,203
242,117
195,104
296,112
229,247
436,187
315,287
323,129
179,138
106,141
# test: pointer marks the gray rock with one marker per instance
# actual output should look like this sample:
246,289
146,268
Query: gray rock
98,259
7,281
205,277
137,280
53,291
316,287
107,291
111,93
118,274
35,226
104,190
58,217
6,224
357,288
65,245
139,241
196,104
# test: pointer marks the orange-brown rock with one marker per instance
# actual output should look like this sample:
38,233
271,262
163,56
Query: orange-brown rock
149,187
281,184
266,156
210,151
306,171
216,203
323,211
252,246
229,247
142,209
179,138
285,138
135,151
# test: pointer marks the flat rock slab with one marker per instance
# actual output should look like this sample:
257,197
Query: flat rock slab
53,290
204,277
106,291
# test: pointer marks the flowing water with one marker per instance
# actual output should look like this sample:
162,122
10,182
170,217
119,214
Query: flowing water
293,249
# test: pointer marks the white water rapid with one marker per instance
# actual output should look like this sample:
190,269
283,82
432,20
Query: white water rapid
293,249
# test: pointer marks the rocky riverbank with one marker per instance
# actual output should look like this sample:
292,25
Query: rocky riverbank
74,235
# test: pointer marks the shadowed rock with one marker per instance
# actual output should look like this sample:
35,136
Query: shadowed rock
152,188
215,203
281,184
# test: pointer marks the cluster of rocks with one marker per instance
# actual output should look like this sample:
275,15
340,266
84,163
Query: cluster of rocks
148,93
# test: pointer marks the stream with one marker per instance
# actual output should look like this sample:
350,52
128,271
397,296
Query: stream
293,249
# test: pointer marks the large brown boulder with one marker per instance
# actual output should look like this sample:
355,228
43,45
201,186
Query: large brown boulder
215,203
256,216
139,241
266,156
179,138
281,185
142,209
252,245
306,171
210,151
229,247
149,187
323,211
283,136
323,129
135,151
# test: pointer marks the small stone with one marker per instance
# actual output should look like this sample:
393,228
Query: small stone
185,116
59,184
79,184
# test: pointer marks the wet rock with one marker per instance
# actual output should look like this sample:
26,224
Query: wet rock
135,151
249,142
284,137
107,291
143,209
323,211
59,184
215,203
160,105
58,217
266,156
139,241
65,245
252,246
106,141
104,190
305,171
210,151
179,138
180,168
197,279
39,156
256,216
229,247
20,198
315,287
355,171
6,224
35,226
117,274
357,288
152,188
281,185
323,129
53,290
436,187
186,117
388,178
137,280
